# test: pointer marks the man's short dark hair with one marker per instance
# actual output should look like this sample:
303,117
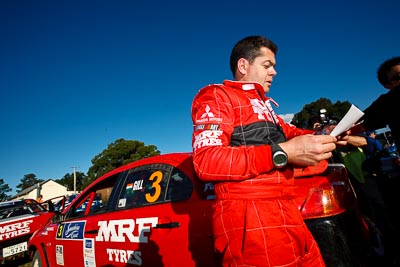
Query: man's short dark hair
249,48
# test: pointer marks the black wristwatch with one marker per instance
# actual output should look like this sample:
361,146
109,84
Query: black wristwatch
279,157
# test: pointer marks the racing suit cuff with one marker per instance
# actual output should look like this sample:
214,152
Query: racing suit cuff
263,158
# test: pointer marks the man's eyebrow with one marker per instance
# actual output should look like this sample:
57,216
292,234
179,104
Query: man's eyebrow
269,62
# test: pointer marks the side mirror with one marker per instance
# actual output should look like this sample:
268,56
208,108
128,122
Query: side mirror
57,218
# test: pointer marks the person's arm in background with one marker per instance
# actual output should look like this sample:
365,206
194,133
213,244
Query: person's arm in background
374,115
356,140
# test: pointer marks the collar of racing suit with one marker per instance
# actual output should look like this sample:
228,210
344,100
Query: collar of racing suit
245,86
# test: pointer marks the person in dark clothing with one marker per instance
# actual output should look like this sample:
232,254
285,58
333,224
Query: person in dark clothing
381,113
384,110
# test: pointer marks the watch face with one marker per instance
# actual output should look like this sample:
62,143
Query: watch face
280,159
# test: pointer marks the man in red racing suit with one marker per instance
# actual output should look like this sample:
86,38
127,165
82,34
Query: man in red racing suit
236,131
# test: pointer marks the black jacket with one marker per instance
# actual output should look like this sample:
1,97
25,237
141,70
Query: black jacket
384,111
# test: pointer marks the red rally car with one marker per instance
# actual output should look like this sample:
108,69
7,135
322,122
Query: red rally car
156,212
19,219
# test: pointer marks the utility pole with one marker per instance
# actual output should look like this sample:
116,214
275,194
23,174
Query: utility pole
38,189
74,168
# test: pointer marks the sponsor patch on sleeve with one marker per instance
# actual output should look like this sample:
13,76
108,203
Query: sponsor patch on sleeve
207,138
211,127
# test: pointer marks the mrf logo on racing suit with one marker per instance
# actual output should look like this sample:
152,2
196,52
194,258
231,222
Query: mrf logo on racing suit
207,138
14,229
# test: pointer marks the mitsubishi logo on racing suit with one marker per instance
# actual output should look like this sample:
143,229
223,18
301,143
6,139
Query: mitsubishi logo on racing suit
207,113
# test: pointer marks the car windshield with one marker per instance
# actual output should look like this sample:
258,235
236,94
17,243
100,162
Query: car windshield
20,207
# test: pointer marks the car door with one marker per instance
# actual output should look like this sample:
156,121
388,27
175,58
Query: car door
71,245
145,227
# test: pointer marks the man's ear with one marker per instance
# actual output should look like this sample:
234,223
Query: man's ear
242,66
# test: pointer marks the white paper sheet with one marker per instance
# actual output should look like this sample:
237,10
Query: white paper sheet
351,117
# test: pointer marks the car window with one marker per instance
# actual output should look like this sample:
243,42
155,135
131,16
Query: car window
154,183
64,202
19,207
95,200
180,186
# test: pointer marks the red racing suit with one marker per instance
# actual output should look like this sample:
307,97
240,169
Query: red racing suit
255,220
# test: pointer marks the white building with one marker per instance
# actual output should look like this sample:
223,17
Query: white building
48,189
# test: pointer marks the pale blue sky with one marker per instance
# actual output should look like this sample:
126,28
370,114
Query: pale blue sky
77,75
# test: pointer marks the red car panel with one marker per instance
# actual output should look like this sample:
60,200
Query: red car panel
19,219
157,213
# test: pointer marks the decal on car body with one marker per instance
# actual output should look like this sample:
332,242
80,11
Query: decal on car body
120,230
71,230
15,229
125,256
60,255
89,252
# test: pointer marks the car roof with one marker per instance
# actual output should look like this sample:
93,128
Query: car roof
181,159
169,158
12,203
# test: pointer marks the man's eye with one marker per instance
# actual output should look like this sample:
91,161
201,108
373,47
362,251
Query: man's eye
269,65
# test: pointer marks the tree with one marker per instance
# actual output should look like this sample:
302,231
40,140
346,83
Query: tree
28,181
68,181
4,188
117,154
312,110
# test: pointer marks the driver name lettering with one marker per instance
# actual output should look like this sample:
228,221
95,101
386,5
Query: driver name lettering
138,185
